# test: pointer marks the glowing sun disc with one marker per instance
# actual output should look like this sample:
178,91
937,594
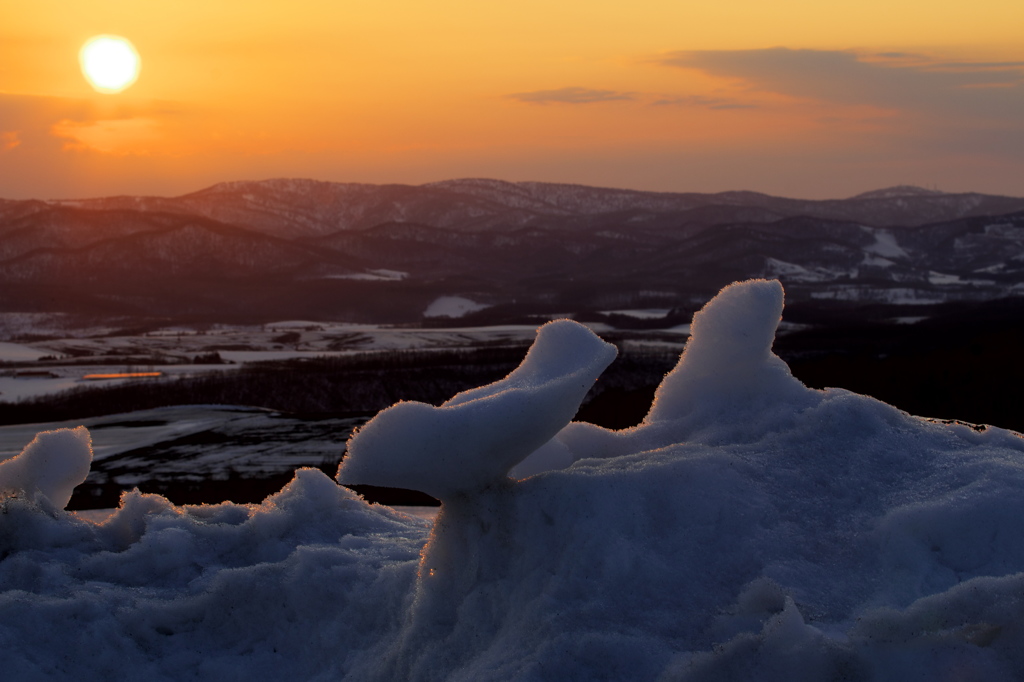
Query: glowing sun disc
110,63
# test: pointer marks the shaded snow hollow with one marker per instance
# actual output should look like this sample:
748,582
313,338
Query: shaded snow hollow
749,528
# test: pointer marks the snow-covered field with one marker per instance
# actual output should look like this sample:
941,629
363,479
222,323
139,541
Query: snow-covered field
749,529
17,352
286,340
292,338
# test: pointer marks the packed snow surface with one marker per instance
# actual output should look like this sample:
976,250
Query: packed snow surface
452,306
15,352
749,528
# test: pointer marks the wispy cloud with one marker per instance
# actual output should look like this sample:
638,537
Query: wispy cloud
889,80
573,95
1013,66
40,112
702,102
9,139
20,112
899,55
30,122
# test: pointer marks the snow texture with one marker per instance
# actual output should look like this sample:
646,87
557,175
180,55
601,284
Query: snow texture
16,352
749,529
472,441
452,306
727,383
49,467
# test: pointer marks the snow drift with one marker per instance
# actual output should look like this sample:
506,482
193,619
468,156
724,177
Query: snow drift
749,528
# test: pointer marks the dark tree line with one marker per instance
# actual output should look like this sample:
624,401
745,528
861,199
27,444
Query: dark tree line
358,384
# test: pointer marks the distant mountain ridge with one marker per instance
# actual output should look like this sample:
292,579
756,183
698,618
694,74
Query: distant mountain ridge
899,191
289,247
292,208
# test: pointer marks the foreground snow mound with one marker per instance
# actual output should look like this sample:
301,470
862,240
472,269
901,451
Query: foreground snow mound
473,440
727,386
49,467
288,589
727,366
749,529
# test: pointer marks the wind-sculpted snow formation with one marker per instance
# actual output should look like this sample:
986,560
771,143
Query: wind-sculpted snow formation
472,441
461,453
749,529
49,467
727,383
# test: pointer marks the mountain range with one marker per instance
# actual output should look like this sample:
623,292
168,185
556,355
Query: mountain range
382,253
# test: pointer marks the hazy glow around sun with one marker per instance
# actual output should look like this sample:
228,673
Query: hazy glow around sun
110,63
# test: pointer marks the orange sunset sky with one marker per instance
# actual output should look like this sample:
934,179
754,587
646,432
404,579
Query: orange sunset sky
800,98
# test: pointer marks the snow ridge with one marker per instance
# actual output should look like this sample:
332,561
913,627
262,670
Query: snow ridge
472,441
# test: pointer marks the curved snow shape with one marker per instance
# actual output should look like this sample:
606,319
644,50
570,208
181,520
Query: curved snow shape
729,358
48,469
727,384
472,441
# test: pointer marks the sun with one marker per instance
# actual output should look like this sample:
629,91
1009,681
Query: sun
110,63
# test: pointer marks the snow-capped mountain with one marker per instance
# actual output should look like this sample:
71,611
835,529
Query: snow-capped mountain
289,246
